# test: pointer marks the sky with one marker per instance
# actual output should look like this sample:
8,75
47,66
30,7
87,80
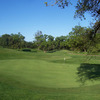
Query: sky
29,16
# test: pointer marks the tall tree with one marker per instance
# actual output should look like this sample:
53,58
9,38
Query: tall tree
12,41
50,38
79,38
5,40
92,6
39,38
60,3
83,6
17,40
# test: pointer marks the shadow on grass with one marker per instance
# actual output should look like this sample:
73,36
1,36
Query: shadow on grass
88,72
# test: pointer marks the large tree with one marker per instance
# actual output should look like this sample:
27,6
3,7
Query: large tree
82,6
80,38
91,6
12,41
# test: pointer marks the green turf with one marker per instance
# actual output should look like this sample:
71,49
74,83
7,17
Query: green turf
44,76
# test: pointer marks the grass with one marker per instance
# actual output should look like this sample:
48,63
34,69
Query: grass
44,76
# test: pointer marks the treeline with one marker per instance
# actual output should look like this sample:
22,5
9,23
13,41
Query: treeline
15,41
79,39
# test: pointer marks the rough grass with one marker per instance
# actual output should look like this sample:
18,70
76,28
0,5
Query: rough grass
44,76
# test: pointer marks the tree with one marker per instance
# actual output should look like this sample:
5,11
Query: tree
60,3
17,40
59,42
79,38
92,6
50,38
83,6
5,40
45,37
12,41
30,45
43,46
96,28
39,38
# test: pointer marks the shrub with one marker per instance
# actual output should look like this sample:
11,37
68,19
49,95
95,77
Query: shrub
26,50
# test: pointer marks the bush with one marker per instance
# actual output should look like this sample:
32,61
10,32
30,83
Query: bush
26,50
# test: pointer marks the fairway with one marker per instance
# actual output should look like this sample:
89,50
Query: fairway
44,76
50,50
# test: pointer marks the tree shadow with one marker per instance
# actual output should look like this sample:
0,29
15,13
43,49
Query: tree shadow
88,72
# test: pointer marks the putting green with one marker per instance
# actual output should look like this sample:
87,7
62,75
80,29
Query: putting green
41,73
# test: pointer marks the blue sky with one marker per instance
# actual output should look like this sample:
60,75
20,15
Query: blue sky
29,16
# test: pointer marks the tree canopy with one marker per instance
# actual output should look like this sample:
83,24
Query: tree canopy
91,6
79,39
82,6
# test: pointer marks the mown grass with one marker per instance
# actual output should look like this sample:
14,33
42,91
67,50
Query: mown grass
44,76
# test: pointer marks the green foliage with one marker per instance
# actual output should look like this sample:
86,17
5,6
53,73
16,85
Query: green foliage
15,41
60,3
4,40
83,6
92,6
12,41
50,38
30,45
79,38
26,50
